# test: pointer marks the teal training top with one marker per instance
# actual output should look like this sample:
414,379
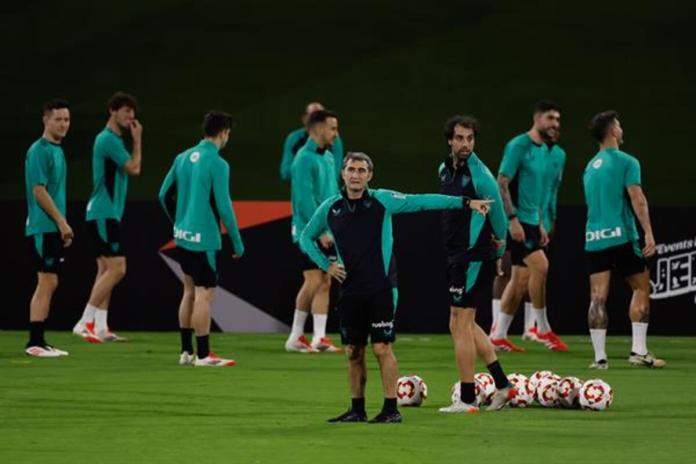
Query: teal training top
109,180
195,195
44,165
524,163
610,218
313,181
555,162
362,231
295,141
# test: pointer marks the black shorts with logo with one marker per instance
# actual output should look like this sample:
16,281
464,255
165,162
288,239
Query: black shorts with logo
627,259
520,250
201,266
106,237
308,264
470,283
366,315
47,251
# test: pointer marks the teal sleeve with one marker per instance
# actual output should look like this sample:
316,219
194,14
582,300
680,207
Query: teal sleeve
337,151
223,202
286,160
553,201
397,202
512,157
167,193
303,199
116,151
38,167
497,217
632,173
317,227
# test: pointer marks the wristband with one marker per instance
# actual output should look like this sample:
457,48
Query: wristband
512,216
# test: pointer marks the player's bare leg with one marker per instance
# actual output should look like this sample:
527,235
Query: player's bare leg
499,284
185,320
39,307
357,379
85,326
512,296
598,318
200,319
538,266
461,325
101,291
320,310
390,374
296,341
639,313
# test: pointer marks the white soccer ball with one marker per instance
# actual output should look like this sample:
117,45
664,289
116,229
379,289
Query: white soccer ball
525,394
411,390
596,395
485,387
547,392
537,377
568,391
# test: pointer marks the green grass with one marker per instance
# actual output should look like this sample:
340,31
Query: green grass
133,403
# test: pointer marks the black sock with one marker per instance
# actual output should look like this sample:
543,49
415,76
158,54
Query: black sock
186,340
36,334
496,370
357,404
467,392
389,405
203,347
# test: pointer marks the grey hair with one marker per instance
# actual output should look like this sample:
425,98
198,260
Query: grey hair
358,156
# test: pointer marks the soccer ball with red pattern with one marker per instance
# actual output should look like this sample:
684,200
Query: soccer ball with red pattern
536,378
411,390
547,391
568,391
596,395
485,387
525,394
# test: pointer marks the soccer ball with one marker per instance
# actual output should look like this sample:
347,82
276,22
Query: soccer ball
536,377
596,395
411,390
568,390
485,387
547,391
525,394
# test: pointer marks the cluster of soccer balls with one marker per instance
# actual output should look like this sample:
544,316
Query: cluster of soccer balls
551,390
544,387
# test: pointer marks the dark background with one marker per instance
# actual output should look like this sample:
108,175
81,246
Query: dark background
394,70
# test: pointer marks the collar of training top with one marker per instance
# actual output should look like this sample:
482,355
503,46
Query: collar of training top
449,161
366,194
312,145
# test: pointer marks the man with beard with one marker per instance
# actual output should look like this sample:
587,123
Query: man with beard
111,167
521,179
474,245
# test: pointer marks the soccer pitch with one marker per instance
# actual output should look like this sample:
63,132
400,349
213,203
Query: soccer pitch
132,402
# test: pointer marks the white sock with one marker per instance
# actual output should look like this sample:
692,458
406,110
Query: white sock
640,335
495,311
542,321
88,314
502,326
599,343
298,323
100,321
319,326
529,318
